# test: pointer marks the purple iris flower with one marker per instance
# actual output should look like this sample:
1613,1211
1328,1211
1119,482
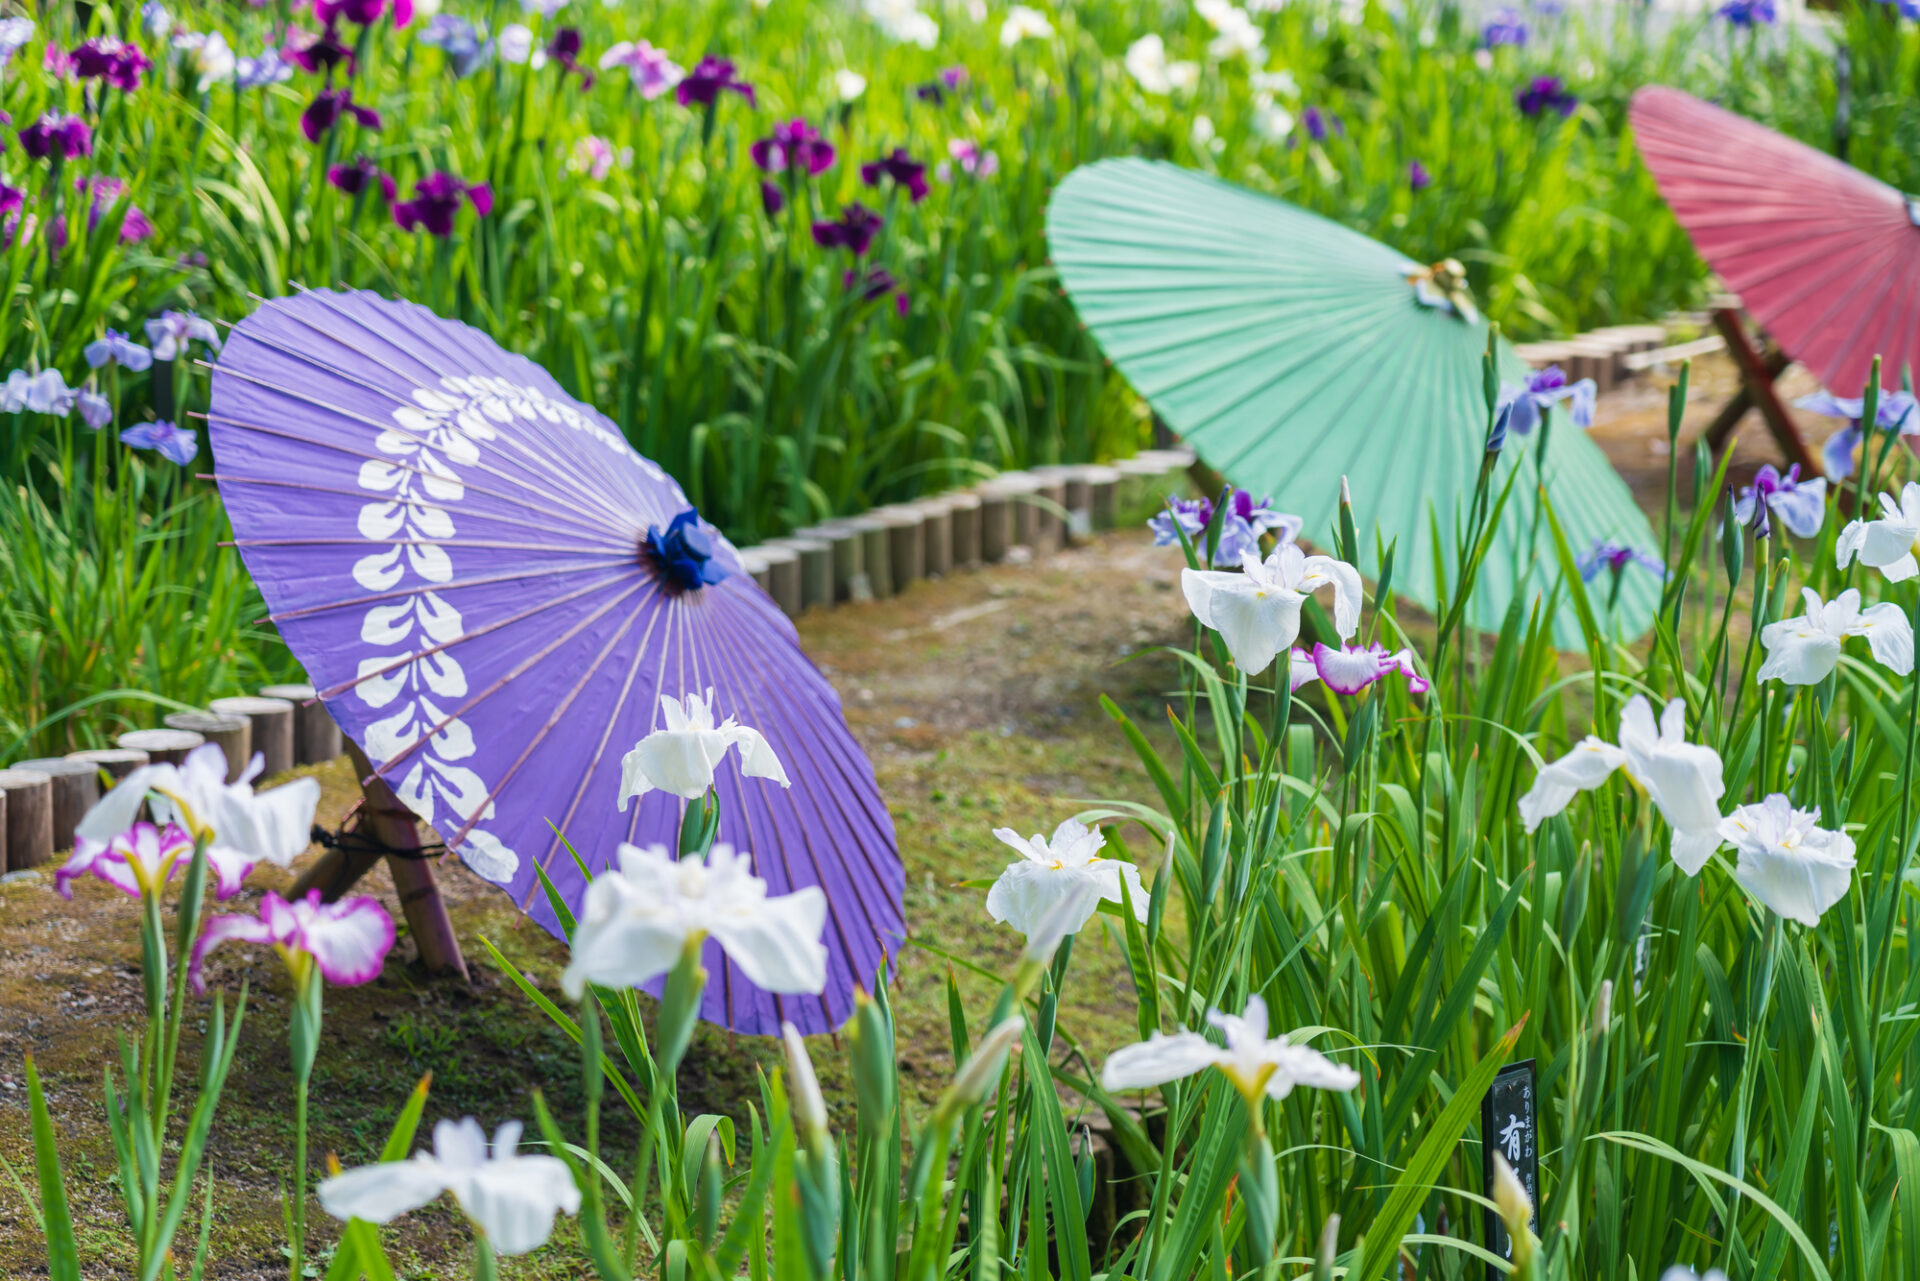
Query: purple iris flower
327,109
1748,13
11,199
68,135
793,145
1908,8
1801,505
1246,520
1319,124
118,349
902,168
436,199
853,230
460,41
318,54
1520,406
362,13
268,68
359,177
1352,668
96,411
1504,27
172,444
684,552
43,393
104,58
876,283
103,192
564,49
1607,554
772,199
1894,414
1543,94
708,80
1418,179
171,333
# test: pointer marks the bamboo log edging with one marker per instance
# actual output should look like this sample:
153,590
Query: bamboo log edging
271,722
162,746
234,734
316,738
74,788
29,807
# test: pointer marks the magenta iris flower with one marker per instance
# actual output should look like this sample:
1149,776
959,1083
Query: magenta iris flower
170,442
708,80
793,145
436,200
102,193
1319,124
1417,176
359,177
318,54
362,13
772,198
1607,554
1504,27
902,168
1543,94
11,199
973,159
329,107
348,940
853,230
951,80
1352,668
69,136
116,62
564,49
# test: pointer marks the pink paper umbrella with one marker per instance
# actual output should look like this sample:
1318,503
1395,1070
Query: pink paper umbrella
459,552
1825,257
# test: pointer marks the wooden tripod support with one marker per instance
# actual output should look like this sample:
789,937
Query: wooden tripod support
1758,369
385,820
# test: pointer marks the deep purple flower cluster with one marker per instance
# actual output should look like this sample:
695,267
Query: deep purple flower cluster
436,200
116,62
328,108
102,193
318,54
361,176
1543,94
1319,124
564,49
902,168
952,80
793,145
362,13
708,80
876,283
1418,178
68,136
1504,27
853,230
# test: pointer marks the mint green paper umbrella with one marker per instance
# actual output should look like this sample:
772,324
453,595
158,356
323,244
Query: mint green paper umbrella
1290,351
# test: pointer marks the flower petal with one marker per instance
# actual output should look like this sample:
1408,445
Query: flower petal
621,940
676,761
247,929
1255,623
756,756
514,1201
1157,1060
1798,653
1799,884
276,825
777,943
115,812
1026,893
349,939
1586,767
382,1193
1889,635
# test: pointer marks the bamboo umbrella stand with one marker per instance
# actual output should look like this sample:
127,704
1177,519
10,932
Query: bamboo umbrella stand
381,827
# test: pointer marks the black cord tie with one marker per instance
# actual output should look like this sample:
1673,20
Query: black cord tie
361,843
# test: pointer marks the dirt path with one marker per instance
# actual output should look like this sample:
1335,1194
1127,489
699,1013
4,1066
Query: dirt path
977,699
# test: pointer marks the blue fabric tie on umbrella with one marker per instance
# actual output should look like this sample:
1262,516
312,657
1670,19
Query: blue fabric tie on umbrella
493,593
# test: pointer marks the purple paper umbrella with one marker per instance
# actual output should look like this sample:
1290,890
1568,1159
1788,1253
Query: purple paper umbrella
454,548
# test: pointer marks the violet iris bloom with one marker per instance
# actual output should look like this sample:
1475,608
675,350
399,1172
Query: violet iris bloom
360,176
564,49
1319,124
436,199
1504,27
1543,94
1801,505
973,159
363,13
1894,414
793,145
1748,13
11,199
43,393
1418,179
854,230
139,860
1352,668
460,41
318,54
1607,554
69,136
103,192
1520,406
708,80
347,940
14,34
651,70
952,80
327,109
96,411
117,349
902,168
172,332
104,58
267,68
1246,520
772,198
172,444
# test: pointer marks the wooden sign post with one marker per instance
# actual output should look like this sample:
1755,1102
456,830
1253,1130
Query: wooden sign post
1510,1125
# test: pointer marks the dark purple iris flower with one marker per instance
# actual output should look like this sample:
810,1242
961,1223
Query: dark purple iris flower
318,54
853,230
104,58
951,80
360,176
705,83
326,110
362,13
793,145
1504,26
102,193
876,283
68,135
1543,94
954,77
902,168
1607,554
436,199
772,199
1417,176
564,49
1319,124
11,199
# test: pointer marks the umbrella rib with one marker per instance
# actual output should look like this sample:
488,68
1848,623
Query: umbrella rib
400,757
352,602
613,513
430,337
564,549
401,660
372,497
392,461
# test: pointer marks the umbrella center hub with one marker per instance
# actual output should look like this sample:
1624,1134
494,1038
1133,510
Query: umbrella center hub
683,554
